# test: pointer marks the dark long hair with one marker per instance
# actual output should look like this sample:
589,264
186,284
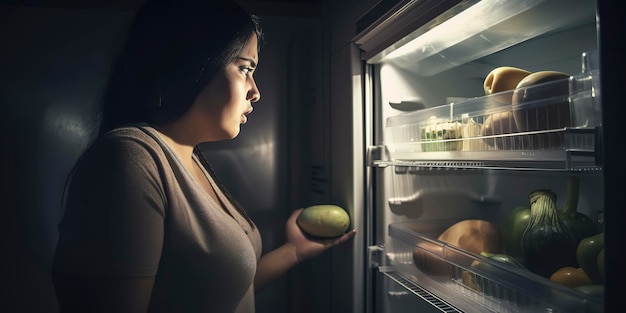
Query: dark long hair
173,49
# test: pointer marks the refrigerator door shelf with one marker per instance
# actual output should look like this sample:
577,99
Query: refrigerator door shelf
491,286
539,126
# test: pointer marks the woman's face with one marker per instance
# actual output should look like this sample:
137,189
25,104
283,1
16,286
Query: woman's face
223,105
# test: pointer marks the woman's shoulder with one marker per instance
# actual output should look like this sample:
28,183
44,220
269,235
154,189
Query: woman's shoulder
134,132
129,135
133,143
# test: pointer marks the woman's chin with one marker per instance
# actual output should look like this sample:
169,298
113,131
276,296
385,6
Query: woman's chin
233,134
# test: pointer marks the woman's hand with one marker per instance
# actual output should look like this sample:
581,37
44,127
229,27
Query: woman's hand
307,246
299,247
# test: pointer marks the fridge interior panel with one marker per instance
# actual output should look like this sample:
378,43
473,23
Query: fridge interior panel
471,30
558,52
433,197
486,194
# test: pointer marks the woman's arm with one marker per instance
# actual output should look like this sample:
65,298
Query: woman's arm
128,294
298,248
111,234
103,293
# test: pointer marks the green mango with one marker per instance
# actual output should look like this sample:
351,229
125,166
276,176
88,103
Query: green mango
324,220
581,225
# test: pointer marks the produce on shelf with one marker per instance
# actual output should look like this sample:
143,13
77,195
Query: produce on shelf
572,277
324,220
576,223
471,280
502,258
541,103
581,225
547,242
497,130
440,135
514,227
472,133
473,235
428,262
587,255
502,79
474,281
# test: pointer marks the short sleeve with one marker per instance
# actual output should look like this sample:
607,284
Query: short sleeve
115,209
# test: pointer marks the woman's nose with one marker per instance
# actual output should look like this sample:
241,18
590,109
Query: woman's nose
254,94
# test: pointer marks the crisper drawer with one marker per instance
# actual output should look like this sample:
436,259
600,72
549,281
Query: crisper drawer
471,282
556,121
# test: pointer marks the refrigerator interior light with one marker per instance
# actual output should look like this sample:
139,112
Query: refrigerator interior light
486,27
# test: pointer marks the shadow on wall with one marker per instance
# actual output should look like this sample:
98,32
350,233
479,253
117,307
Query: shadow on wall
53,67
54,64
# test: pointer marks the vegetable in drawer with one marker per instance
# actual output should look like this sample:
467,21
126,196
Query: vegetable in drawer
473,235
514,227
571,277
548,243
580,224
587,255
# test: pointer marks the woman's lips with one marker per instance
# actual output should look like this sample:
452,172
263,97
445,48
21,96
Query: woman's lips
244,118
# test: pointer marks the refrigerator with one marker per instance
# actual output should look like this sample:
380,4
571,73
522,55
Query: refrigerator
414,141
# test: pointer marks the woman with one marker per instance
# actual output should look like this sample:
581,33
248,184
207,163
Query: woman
147,226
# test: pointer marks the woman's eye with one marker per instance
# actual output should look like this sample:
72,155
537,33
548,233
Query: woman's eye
246,70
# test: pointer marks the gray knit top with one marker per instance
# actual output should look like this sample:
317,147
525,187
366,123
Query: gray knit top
133,209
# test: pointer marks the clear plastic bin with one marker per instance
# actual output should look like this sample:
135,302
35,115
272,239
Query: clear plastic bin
541,121
472,282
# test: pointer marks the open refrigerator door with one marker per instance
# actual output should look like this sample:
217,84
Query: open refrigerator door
451,145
